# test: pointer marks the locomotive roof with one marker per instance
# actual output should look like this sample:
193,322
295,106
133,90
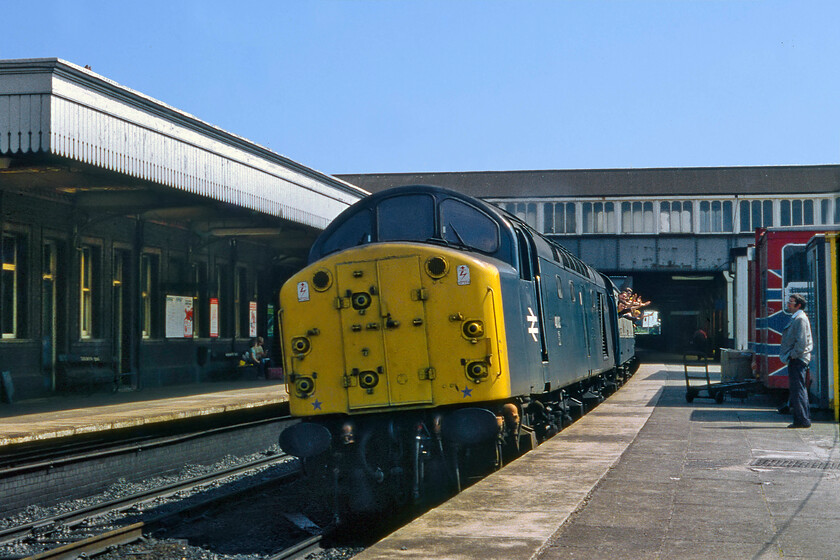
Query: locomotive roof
505,250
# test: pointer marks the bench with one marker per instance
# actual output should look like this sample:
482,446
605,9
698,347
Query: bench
80,372
234,370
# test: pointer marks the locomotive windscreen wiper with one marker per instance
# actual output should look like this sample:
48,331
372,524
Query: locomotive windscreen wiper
458,235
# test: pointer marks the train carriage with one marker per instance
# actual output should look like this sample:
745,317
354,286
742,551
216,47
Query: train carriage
824,313
427,321
779,269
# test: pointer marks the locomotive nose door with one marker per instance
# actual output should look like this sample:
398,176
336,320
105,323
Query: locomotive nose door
384,329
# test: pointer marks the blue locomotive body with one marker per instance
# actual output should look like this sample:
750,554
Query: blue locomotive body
427,322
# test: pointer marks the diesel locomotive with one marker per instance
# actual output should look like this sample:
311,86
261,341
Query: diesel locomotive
433,336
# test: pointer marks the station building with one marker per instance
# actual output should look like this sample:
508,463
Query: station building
677,235
137,239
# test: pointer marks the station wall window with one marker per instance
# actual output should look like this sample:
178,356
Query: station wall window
89,290
149,270
599,217
675,217
637,217
756,214
796,212
837,210
525,211
715,216
13,286
559,217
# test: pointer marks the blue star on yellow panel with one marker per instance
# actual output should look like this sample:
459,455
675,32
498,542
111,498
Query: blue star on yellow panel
467,392
316,404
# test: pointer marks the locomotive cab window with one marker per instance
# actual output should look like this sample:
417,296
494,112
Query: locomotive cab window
356,230
406,218
465,225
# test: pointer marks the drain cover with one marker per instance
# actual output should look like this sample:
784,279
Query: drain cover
796,464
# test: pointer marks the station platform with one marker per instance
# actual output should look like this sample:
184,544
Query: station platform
68,415
648,475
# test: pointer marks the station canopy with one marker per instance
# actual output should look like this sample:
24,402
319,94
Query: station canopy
69,134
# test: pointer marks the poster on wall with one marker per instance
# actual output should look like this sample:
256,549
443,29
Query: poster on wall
179,317
214,317
269,318
252,318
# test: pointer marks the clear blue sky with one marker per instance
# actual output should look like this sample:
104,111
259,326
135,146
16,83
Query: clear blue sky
352,86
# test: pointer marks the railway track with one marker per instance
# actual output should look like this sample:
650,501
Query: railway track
56,454
49,528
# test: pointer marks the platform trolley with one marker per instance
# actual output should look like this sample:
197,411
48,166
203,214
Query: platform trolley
696,367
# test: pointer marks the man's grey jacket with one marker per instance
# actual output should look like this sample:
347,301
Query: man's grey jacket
796,339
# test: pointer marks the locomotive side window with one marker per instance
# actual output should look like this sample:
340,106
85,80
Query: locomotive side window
465,225
355,231
406,218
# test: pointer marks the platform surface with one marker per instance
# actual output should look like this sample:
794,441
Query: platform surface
648,475
59,416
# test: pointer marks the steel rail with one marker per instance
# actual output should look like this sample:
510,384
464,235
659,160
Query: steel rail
120,504
93,545
300,549
105,449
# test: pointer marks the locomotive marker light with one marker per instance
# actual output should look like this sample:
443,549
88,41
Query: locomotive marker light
301,345
304,386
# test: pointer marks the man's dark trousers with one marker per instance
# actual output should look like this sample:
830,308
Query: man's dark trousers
798,393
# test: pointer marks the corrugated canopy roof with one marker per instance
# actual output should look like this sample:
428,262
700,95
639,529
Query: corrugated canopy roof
53,107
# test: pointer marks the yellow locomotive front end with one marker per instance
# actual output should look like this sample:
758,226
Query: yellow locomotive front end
393,325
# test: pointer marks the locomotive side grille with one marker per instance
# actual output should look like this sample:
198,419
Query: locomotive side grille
604,350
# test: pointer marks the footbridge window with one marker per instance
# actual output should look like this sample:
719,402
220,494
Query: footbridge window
715,216
525,211
559,217
675,217
796,212
637,217
599,217
756,214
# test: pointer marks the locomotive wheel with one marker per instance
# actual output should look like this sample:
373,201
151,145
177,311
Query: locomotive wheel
689,396
719,397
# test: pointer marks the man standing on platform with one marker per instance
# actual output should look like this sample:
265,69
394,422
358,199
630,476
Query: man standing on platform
796,352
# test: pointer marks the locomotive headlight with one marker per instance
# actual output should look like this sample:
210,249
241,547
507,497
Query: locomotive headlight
436,267
301,345
473,328
304,386
477,371
321,280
